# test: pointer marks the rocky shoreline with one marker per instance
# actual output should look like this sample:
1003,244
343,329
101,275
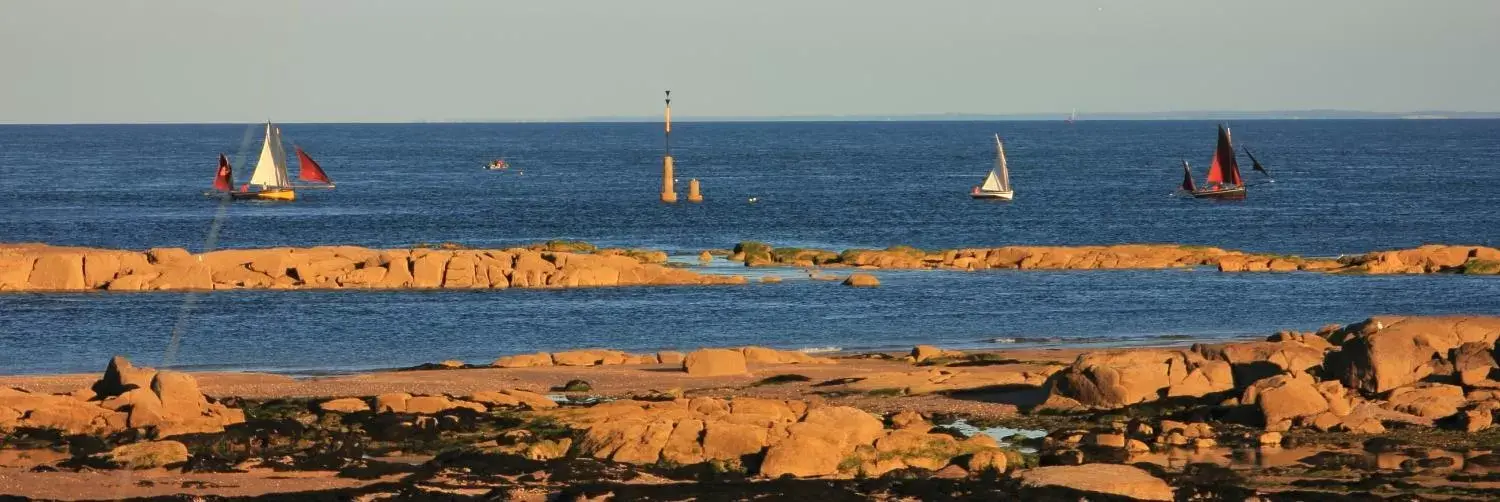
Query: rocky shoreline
1388,408
1421,260
41,267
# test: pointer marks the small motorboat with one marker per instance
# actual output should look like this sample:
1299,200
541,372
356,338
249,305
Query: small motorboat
497,165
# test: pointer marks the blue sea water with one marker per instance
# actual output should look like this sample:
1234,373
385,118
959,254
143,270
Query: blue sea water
1340,187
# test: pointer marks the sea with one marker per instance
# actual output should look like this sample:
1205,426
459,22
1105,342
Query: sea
1335,187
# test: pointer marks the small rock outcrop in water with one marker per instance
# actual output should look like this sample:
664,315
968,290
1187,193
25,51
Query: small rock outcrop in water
34,267
862,281
1422,260
126,398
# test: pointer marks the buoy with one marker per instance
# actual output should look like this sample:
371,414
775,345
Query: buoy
754,200
694,192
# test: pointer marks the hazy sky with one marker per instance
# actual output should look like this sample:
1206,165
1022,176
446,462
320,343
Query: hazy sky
346,60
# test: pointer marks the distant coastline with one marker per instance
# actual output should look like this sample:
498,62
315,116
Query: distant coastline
1059,116
921,117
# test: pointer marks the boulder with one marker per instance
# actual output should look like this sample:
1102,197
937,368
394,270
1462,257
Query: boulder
149,454
682,446
585,357
121,376
1473,361
924,352
523,360
180,398
1108,479
58,272
1285,397
460,273
530,399
810,450
394,402
428,404
1384,353
910,419
715,362
918,449
988,460
397,274
344,405
144,408
1253,361
1431,401
766,412
15,272
548,449
531,271
1107,440
494,398
1478,419
857,426
100,267
427,269
645,447
730,441
862,281
670,357
762,355
1119,378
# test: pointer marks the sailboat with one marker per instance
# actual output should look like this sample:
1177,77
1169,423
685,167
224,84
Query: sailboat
1224,181
1073,117
269,180
997,183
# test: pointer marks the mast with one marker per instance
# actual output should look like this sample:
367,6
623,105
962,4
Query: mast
1004,169
270,169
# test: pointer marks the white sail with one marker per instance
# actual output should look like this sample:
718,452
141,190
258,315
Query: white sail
1004,169
270,170
991,183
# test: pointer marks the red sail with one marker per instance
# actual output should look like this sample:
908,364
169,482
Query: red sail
1187,178
1224,169
224,180
310,171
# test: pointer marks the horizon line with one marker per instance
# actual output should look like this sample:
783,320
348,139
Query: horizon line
1187,115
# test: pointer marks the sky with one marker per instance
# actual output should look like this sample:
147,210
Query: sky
129,61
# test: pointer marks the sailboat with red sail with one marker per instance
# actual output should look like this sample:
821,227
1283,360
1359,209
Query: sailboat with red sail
269,180
1224,180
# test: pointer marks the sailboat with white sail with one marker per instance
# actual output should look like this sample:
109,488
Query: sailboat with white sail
269,180
997,183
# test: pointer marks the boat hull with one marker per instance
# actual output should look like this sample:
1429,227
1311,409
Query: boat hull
1222,193
280,194
992,195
